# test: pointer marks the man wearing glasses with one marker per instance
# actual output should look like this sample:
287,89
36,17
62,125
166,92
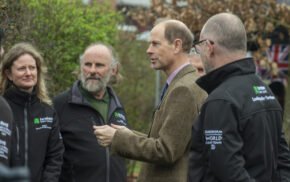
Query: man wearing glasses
238,135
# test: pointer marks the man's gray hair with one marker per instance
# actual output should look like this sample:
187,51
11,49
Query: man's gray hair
109,47
115,64
227,30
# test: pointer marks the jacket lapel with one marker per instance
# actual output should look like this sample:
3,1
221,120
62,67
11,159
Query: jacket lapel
187,69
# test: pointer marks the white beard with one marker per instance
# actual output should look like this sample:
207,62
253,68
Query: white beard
95,85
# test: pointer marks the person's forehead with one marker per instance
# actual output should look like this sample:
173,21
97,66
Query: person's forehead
97,53
97,49
25,58
157,32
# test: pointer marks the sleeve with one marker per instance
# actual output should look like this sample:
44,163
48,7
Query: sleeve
283,168
170,133
55,149
6,121
139,133
223,141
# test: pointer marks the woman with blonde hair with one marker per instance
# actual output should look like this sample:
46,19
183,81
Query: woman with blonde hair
37,143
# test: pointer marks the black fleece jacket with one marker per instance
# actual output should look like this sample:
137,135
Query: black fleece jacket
6,121
84,159
238,135
37,141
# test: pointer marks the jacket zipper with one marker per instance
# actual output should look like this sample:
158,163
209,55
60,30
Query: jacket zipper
26,133
17,139
108,164
107,155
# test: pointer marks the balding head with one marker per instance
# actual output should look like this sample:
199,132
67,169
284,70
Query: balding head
100,49
98,66
227,30
175,29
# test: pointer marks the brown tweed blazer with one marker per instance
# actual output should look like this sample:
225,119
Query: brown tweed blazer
165,149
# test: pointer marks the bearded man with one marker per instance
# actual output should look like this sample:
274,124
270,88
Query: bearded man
90,101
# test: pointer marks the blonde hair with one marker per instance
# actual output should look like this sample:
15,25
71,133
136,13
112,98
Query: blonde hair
13,54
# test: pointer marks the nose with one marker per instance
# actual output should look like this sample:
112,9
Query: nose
149,50
93,70
28,71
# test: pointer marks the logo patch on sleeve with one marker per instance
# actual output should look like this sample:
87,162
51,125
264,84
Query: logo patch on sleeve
3,149
120,118
4,128
213,138
260,94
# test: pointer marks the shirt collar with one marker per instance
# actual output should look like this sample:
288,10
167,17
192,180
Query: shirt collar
89,96
174,73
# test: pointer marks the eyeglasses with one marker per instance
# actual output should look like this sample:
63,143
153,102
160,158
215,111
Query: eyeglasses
194,49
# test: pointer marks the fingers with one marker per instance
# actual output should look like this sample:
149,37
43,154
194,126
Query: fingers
103,144
120,127
100,130
117,126
100,127
99,133
104,134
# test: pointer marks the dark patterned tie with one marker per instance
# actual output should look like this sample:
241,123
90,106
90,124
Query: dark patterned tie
163,91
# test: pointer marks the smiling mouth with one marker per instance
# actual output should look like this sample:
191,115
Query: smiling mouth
28,80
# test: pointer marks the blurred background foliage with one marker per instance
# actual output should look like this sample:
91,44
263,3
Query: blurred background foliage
61,29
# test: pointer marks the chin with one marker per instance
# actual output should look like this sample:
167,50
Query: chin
92,88
155,67
26,86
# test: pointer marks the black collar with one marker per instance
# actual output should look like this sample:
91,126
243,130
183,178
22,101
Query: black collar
20,97
213,79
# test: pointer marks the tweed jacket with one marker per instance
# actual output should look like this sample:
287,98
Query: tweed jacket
165,149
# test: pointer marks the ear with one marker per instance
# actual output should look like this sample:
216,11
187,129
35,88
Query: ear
115,70
8,74
209,48
177,45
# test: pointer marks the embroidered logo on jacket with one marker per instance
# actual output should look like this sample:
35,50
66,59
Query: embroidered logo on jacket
5,132
213,138
43,123
120,118
4,128
36,121
3,149
259,90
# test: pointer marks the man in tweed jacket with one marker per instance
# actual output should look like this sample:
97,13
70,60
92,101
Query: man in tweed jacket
165,149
